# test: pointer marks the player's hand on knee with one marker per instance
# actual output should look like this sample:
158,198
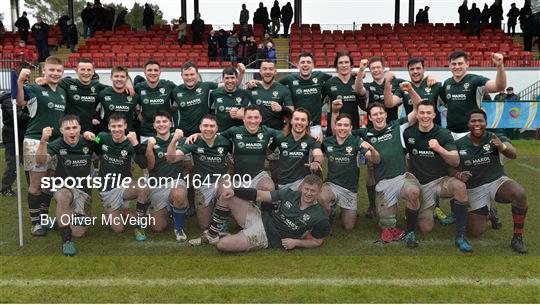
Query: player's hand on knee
464,175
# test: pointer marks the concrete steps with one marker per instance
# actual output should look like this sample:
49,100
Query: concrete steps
282,52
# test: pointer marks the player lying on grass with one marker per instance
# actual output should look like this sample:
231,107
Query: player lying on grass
294,216
482,170
73,155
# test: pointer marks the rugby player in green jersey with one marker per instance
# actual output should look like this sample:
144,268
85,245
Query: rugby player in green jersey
74,156
294,220
46,105
482,171
171,192
116,152
341,150
463,92
432,153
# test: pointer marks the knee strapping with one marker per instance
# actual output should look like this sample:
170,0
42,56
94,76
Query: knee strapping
387,222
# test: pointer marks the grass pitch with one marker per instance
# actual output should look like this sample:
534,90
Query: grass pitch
348,268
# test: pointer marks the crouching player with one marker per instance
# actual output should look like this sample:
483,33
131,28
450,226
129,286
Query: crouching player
74,156
116,152
483,172
167,188
295,215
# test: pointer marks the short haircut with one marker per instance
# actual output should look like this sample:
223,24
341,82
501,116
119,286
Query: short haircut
252,108
54,60
268,61
151,62
414,61
479,111
340,54
84,60
68,118
189,65
344,116
117,116
305,54
375,105
229,71
313,180
376,59
119,69
209,116
164,114
427,103
457,54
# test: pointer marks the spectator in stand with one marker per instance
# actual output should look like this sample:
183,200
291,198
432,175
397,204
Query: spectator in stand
244,15
87,16
212,46
62,24
496,11
512,15
267,39
500,97
222,43
23,26
2,29
510,95
8,138
286,18
40,32
475,16
110,12
463,12
72,36
23,50
271,52
419,16
242,49
100,16
261,17
485,14
232,45
148,17
197,28
251,50
524,15
425,15
262,54
182,27
120,19
275,15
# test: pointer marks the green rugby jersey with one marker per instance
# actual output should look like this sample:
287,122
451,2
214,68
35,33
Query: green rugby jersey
221,102
426,93
461,98
294,156
388,143
289,221
114,102
335,89
161,167
249,150
342,163
192,105
264,98
152,100
46,108
82,100
375,93
427,165
208,160
114,158
482,160
307,93
72,161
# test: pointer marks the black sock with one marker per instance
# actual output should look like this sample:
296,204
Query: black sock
412,218
219,218
65,233
33,208
45,202
371,196
141,211
191,196
452,205
460,213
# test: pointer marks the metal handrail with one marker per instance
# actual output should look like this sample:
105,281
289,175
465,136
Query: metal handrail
531,92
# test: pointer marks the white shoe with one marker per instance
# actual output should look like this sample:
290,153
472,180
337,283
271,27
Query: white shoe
180,235
205,239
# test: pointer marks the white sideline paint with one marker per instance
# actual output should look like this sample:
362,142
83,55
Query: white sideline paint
528,166
337,282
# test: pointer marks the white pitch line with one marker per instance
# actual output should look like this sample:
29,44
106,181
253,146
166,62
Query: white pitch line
115,282
438,242
528,166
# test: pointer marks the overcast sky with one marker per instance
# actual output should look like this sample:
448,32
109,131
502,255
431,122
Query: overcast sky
314,11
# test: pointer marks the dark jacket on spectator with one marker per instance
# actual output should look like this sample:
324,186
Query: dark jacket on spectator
7,119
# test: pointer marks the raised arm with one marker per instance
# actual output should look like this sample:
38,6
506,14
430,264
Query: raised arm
174,155
359,83
499,84
149,153
415,98
23,76
505,148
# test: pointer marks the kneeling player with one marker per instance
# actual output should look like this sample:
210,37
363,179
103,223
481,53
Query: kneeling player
170,191
484,175
294,216
116,152
74,155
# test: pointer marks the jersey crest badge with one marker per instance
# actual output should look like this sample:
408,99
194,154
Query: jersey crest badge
487,147
220,150
260,136
50,105
466,86
198,90
93,89
427,89
128,98
303,145
305,217
123,152
315,80
238,99
275,93
348,149
63,151
85,150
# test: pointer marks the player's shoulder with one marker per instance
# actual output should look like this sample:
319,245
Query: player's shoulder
411,130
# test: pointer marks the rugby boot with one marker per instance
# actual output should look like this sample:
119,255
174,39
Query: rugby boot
37,230
410,240
180,235
205,239
439,214
397,234
463,244
68,248
448,220
139,234
496,222
517,245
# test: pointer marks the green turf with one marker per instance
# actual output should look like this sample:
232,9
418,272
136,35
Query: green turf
345,255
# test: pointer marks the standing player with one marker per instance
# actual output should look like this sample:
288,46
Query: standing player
116,152
291,217
432,153
481,169
74,159
464,91
342,151
306,90
115,99
46,105
173,193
